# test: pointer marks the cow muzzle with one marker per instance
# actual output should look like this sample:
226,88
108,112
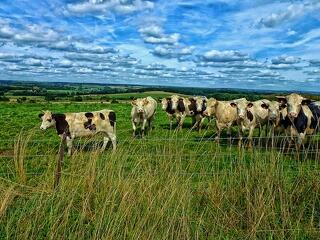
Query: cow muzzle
292,115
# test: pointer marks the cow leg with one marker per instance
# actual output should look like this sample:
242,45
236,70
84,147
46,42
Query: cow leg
229,134
134,127
219,129
106,139
69,145
201,123
181,122
143,127
301,137
113,138
250,137
240,136
195,122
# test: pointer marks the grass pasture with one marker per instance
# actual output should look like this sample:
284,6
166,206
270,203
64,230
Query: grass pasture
167,186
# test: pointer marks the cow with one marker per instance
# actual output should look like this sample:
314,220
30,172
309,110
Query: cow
143,112
187,107
82,124
166,104
250,115
201,106
277,114
224,113
303,116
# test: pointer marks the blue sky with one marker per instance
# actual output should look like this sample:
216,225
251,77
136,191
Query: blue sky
260,44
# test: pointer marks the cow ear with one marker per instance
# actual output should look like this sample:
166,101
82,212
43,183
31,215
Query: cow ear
233,104
281,99
89,115
134,102
40,115
249,105
265,106
306,101
145,101
282,106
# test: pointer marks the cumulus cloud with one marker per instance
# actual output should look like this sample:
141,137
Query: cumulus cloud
109,6
285,60
154,34
172,52
224,56
33,62
293,11
165,39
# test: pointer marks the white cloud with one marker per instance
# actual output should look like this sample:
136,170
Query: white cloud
224,56
172,52
285,60
109,6
152,31
166,39
293,11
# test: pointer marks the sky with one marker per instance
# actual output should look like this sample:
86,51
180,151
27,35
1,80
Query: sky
249,44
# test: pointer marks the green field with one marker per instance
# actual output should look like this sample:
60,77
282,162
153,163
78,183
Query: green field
170,185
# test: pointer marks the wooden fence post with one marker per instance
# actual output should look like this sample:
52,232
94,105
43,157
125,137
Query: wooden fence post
57,174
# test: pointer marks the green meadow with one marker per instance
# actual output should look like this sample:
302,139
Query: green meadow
169,185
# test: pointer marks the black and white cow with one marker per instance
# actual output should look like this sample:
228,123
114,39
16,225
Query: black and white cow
166,105
187,107
303,116
82,124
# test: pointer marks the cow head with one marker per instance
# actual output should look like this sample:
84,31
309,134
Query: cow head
242,107
139,104
164,103
211,104
48,120
175,99
201,103
294,103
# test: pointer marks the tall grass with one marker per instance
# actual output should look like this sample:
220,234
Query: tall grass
163,191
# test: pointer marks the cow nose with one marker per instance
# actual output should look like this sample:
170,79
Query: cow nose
41,128
241,116
205,113
292,114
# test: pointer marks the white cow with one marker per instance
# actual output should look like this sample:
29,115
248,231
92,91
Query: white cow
224,113
82,124
251,115
143,112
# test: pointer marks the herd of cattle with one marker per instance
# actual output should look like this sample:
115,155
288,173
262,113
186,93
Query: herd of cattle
292,115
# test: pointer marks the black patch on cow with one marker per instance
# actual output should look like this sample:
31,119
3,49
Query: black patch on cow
40,115
89,125
181,107
192,107
62,125
285,122
249,116
301,121
169,107
89,115
112,118
102,116
204,107
315,109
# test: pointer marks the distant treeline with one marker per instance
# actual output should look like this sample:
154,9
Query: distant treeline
76,91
